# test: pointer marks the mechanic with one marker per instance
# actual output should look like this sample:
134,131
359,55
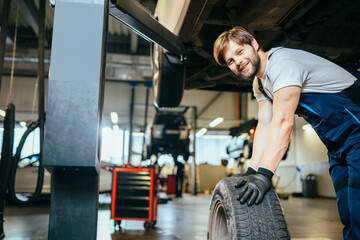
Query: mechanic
291,81
179,178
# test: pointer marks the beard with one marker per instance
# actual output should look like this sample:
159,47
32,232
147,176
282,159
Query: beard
253,68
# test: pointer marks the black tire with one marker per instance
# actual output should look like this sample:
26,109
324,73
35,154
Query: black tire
228,219
247,151
168,78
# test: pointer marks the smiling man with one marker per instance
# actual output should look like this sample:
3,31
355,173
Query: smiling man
289,82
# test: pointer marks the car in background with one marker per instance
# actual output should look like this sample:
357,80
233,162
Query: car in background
242,140
241,145
168,133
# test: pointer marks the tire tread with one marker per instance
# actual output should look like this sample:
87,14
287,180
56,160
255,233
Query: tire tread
264,221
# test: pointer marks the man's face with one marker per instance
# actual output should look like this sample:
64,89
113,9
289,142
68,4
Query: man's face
242,59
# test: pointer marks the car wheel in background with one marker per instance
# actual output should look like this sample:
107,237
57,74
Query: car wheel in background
228,219
168,77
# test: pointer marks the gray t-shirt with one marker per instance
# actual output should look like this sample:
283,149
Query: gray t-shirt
293,67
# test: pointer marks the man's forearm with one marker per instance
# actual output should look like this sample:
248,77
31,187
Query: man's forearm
260,137
278,139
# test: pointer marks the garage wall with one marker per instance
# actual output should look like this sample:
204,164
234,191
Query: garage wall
23,91
224,106
118,99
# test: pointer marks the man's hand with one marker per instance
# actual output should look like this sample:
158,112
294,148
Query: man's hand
254,187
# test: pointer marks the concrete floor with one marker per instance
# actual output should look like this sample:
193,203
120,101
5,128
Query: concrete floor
181,218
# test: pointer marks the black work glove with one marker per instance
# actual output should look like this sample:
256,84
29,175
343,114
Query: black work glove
254,187
250,171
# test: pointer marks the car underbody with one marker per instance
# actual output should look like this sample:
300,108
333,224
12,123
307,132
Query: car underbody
327,28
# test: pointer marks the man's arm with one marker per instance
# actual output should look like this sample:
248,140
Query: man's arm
254,187
284,105
265,115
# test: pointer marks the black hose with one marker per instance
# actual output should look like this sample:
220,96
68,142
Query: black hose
6,158
40,180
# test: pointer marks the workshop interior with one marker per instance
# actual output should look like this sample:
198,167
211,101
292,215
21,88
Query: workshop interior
117,123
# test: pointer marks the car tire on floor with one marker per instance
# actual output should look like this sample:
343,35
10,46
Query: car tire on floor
228,219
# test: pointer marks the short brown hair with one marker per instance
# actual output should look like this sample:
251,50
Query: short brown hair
237,34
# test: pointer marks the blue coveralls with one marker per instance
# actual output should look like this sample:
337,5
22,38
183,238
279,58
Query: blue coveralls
336,119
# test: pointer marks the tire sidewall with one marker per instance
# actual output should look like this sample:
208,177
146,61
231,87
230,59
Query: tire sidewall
221,193
263,221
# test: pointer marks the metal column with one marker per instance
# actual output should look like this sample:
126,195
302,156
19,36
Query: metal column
145,119
74,108
193,154
131,120
3,34
41,86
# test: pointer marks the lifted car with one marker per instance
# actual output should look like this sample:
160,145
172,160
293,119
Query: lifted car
329,28
168,134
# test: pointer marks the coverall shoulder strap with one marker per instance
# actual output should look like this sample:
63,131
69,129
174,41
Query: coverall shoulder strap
261,88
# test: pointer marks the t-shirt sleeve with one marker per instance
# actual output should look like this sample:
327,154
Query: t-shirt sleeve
258,95
286,72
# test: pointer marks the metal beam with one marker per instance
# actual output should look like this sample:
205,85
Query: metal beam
131,123
73,117
136,17
30,14
41,77
4,28
145,118
193,154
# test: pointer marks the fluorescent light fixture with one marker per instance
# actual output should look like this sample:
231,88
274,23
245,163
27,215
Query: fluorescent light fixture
217,136
308,128
116,127
138,134
2,113
216,121
23,124
201,132
114,117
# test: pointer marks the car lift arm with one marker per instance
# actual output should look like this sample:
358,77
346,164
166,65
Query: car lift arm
136,17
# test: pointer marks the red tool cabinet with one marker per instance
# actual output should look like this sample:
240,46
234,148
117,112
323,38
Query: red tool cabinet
134,195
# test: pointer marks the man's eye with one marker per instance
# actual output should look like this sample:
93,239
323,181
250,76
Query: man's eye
230,62
239,52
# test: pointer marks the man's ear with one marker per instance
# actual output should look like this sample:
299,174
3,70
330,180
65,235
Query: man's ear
255,44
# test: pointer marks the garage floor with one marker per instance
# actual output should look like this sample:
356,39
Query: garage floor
181,218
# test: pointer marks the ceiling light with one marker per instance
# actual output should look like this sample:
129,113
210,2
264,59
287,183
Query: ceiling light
114,117
23,124
216,121
2,113
201,132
